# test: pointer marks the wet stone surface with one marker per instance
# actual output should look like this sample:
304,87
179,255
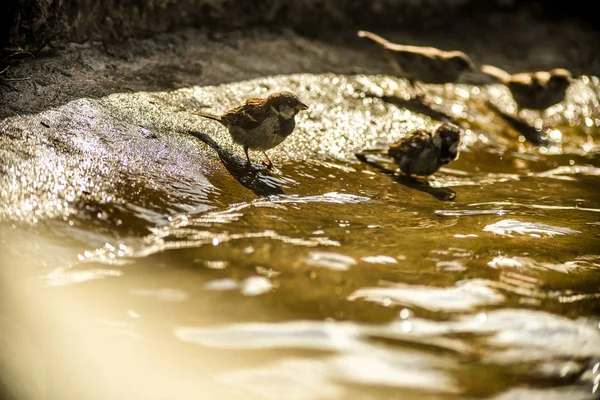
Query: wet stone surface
327,278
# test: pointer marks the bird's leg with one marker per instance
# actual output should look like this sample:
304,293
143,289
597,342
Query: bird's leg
270,164
420,94
248,158
417,88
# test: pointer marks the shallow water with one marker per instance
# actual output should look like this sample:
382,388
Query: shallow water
328,278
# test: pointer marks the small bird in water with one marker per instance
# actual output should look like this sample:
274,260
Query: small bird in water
533,90
424,64
261,123
423,153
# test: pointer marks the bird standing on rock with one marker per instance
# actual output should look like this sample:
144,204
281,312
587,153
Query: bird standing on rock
424,64
533,90
261,123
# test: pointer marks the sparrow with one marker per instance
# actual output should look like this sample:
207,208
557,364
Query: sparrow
423,153
424,64
533,90
261,123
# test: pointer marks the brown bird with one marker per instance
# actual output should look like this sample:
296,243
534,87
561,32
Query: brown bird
424,64
261,123
534,90
423,153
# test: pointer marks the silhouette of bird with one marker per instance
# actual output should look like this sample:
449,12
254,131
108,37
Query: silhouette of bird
533,90
424,64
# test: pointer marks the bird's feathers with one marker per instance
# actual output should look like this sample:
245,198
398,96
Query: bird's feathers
209,115
495,72
411,146
426,51
421,63
535,90
248,116
430,51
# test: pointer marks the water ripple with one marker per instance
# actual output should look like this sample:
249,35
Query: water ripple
546,394
533,229
353,361
185,231
312,335
62,277
380,259
534,206
563,172
252,286
461,213
256,285
192,238
399,369
333,261
331,197
465,296
293,378
524,263
163,294
551,345
536,334
219,285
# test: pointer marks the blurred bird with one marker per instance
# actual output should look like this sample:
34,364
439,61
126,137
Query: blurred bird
423,153
261,123
424,64
534,90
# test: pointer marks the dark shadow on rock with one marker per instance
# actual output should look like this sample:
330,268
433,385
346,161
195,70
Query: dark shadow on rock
534,136
64,72
420,106
260,183
440,193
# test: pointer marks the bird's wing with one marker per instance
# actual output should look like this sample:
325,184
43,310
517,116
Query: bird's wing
249,116
421,50
529,84
411,146
401,48
496,72
541,78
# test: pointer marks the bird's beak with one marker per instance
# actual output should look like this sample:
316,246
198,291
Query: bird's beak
301,106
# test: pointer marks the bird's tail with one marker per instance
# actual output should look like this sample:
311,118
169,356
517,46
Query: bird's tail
374,151
495,72
374,37
209,115
363,155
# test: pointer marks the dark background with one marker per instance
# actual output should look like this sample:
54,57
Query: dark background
30,25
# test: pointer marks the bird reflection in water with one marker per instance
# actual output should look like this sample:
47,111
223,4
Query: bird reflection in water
257,179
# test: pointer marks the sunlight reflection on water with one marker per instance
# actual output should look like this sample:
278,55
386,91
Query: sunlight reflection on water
534,229
348,278
465,296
